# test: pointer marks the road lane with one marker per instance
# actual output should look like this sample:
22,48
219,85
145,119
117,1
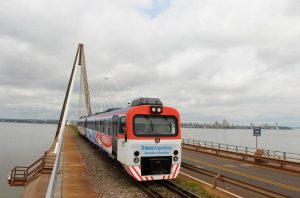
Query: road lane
277,181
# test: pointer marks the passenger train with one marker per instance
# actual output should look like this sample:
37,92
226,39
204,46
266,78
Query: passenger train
144,137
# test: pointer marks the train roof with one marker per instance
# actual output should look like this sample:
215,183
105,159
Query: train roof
119,111
107,113
146,101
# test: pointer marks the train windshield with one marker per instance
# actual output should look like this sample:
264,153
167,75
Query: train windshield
155,125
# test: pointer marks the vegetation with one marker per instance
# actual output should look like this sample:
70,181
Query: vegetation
74,130
196,188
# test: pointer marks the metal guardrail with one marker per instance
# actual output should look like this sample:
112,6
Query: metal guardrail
20,175
222,178
287,156
52,183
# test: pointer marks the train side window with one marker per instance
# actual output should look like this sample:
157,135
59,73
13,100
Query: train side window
122,124
98,126
109,127
105,126
115,122
101,127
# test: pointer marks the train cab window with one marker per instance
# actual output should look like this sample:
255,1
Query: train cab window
155,125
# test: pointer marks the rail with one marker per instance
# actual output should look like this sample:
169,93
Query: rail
152,189
281,155
21,175
53,178
178,189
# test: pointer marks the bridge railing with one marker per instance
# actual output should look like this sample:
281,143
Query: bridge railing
54,175
282,155
20,175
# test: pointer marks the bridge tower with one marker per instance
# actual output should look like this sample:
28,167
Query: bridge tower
78,61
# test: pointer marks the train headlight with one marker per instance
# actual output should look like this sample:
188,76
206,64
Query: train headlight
175,152
153,109
136,160
136,153
175,158
156,109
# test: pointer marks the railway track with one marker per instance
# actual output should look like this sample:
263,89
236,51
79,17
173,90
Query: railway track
160,189
232,181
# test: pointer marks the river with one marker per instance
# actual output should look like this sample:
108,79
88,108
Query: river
279,140
21,144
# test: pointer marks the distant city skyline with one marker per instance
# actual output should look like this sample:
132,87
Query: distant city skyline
226,124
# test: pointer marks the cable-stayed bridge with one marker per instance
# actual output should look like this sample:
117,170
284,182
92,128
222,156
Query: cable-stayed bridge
229,169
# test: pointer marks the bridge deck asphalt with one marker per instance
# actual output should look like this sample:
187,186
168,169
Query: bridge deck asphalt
272,179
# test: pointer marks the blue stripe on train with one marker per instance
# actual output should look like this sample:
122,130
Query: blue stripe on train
90,134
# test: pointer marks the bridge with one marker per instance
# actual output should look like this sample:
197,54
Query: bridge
228,170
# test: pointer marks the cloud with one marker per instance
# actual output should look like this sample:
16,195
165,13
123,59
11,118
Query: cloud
211,59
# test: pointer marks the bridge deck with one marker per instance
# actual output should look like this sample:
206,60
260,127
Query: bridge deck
273,179
73,180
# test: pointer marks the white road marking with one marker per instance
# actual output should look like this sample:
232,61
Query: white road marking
247,165
229,165
221,189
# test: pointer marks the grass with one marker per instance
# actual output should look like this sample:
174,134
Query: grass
74,130
195,187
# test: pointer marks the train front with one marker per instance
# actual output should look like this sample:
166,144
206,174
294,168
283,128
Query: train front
151,149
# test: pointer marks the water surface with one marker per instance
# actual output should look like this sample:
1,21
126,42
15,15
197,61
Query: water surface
21,144
279,140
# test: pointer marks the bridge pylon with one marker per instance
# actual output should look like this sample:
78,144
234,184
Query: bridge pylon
78,61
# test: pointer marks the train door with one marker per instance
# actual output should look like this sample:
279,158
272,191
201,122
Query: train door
115,133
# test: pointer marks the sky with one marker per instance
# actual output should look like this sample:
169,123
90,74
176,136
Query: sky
210,59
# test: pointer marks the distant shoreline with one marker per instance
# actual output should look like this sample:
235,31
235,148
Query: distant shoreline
183,125
226,125
29,121
284,128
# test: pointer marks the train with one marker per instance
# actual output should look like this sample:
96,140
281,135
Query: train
145,138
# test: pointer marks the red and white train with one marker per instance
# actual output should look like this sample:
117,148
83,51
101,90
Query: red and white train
144,137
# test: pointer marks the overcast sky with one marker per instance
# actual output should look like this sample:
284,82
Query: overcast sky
211,59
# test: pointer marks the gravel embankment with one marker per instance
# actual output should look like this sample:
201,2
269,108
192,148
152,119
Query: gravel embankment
107,180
